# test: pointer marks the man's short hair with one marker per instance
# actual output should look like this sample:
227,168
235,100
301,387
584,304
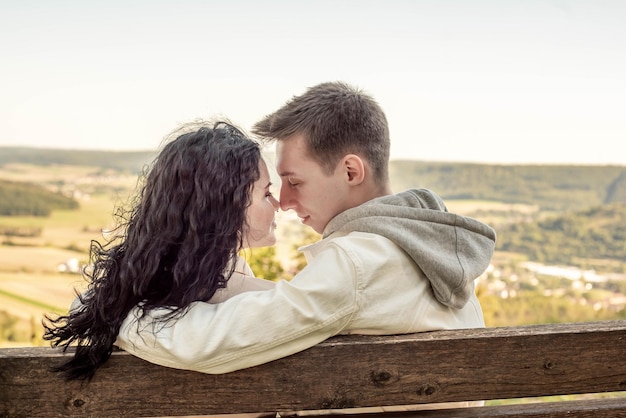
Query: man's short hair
336,119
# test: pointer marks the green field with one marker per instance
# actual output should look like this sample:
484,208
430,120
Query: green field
31,284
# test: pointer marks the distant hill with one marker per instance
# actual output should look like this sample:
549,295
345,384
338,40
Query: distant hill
550,187
26,199
128,161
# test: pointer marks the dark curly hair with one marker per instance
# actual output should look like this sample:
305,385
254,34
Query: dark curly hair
176,245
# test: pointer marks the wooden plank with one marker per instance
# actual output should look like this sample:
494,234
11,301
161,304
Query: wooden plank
590,408
342,372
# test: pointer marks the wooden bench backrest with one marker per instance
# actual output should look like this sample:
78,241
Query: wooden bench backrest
342,372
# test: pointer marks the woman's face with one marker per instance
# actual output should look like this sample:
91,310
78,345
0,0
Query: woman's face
260,213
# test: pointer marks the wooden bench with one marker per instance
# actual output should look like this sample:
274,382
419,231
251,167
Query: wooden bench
349,372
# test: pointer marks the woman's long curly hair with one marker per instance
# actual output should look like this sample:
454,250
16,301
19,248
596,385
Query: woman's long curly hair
177,244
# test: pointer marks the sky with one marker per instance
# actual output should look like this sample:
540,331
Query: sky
501,81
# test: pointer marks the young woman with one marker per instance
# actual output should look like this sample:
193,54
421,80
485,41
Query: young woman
206,197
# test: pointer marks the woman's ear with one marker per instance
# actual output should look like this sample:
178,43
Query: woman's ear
354,168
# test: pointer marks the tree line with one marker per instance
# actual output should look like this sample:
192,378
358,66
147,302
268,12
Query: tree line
597,233
28,199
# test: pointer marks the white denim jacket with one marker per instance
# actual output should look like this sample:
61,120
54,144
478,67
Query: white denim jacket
356,281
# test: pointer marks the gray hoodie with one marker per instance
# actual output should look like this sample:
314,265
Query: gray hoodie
450,249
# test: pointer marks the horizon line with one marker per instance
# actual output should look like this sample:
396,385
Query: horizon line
392,159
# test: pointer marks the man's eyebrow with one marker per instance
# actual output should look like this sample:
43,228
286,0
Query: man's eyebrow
285,173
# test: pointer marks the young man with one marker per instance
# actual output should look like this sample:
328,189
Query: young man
387,264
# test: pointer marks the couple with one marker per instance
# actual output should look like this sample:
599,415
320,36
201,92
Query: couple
175,292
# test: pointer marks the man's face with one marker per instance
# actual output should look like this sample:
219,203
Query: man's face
315,196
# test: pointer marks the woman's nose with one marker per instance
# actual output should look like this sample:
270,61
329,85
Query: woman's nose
275,203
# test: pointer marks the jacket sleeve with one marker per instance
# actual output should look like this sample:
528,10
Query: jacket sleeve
239,284
254,327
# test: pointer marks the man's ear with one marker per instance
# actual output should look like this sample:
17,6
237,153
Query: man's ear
354,168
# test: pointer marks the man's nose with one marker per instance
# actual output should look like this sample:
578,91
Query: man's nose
286,200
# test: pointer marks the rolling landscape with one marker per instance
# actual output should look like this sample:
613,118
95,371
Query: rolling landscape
560,255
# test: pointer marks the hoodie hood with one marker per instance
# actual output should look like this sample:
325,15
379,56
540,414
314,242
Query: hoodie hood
450,249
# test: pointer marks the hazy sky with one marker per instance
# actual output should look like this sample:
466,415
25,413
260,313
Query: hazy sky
469,80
